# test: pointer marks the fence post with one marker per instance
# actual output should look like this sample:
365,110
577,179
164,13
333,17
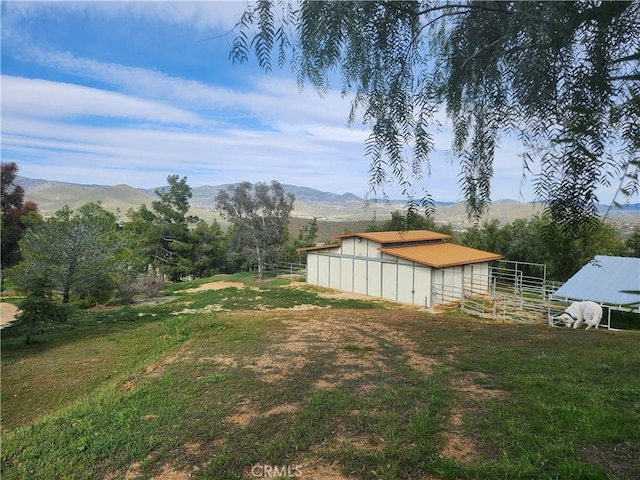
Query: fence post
495,308
462,298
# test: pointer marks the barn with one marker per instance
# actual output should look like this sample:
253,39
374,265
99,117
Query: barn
419,267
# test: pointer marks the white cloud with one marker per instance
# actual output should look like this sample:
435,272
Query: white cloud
46,99
144,157
123,123
306,144
203,16
269,97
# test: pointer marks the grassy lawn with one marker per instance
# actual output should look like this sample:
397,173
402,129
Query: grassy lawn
266,380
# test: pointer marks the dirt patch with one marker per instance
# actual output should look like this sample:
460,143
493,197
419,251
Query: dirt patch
319,469
298,308
286,408
127,386
207,309
459,448
167,473
215,286
226,361
327,336
193,448
360,352
8,313
360,349
330,293
155,369
244,416
458,444
466,384
619,460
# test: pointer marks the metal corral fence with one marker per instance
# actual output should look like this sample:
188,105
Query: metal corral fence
284,268
517,292
558,304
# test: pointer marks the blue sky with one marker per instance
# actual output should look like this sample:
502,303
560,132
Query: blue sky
131,92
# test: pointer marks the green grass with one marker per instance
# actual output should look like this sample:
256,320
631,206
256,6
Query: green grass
343,390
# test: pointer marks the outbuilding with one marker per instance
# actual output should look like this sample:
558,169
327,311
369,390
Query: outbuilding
419,267
613,282
606,280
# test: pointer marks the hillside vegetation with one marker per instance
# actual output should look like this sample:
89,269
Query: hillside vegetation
229,378
310,203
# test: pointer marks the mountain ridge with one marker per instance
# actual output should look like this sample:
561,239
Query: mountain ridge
32,185
51,196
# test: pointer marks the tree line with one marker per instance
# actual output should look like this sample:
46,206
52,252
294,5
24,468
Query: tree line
88,257
534,240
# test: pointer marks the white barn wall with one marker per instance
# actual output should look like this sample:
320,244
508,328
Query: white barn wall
334,272
372,249
389,281
323,270
354,267
422,285
374,277
348,246
360,247
346,274
457,280
312,268
360,276
405,282
476,279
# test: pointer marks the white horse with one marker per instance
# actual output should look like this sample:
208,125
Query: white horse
582,312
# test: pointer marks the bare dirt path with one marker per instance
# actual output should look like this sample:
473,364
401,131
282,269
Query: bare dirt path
215,286
8,313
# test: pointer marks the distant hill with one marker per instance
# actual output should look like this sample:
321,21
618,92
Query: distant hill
31,185
205,195
51,196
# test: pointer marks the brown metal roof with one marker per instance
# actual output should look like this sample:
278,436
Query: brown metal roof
317,247
440,255
398,237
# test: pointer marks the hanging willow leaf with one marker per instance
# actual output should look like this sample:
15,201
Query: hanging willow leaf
562,76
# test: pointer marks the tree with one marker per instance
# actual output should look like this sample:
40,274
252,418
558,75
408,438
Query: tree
38,309
538,240
76,249
173,203
562,76
306,238
14,213
411,220
633,242
131,264
259,215
172,248
208,251
162,232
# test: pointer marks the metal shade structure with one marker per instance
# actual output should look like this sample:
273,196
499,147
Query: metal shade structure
607,280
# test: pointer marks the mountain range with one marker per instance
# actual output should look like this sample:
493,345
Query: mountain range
53,195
